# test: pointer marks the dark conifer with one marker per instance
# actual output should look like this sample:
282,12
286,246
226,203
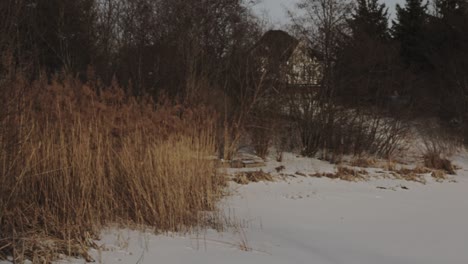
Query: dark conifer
409,30
370,19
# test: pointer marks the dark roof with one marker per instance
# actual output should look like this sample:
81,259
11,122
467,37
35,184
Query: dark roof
276,45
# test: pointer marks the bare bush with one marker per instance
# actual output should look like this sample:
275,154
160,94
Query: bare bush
268,129
261,137
336,131
439,144
435,156
432,160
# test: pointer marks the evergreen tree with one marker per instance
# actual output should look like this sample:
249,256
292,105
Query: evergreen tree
447,28
448,8
366,58
370,19
409,30
449,55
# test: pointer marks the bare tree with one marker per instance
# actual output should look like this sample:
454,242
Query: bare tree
324,23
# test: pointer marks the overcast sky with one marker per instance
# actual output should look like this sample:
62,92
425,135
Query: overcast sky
276,8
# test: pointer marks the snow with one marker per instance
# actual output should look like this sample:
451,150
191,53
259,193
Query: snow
317,220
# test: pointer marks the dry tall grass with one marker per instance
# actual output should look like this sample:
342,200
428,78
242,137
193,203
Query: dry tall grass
73,160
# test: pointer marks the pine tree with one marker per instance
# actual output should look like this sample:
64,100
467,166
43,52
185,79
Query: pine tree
370,19
449,55
366,57
448,26
409,30
447,8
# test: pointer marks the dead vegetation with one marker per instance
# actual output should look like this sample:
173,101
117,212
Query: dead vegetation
345,174
439,144
252,176
417,174
364,162
439,175
433,164
435,161
73,161
390,165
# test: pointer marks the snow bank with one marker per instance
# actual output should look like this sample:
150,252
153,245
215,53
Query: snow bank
320,221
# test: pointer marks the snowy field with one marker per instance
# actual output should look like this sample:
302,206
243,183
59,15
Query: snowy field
320,221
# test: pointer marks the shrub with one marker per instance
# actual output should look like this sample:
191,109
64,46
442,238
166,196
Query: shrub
434,160
261,136
439,144
337,131
73,161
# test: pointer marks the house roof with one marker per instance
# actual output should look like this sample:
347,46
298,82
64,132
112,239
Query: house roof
278,46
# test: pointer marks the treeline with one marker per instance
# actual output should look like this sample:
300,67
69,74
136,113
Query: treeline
161,46
419,60
149,46
200,49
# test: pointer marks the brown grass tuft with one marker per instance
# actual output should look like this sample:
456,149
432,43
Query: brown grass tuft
410,176
73,161
417,170
417,174
435,161
439,175
363,162
345,174
252,176
390,166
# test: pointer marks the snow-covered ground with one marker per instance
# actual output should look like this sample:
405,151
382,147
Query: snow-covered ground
320,221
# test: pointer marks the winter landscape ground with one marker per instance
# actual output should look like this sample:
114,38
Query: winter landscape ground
298,219
177,131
